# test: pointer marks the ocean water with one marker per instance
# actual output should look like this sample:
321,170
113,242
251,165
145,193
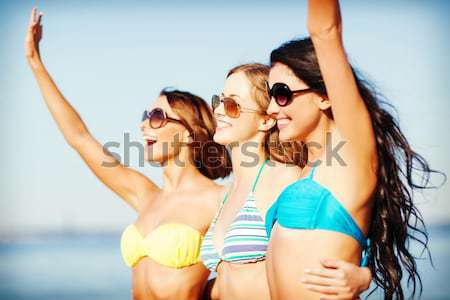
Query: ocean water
66,267
89,267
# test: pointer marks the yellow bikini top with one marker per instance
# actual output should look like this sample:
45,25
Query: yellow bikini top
174,245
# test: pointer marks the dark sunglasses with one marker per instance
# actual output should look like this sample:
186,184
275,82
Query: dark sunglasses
231,107
282,93
158,118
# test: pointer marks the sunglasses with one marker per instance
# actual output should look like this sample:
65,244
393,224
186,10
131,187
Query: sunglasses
282,93
231,107
158,118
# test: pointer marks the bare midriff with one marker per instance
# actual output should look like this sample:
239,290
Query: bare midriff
151,280
242,281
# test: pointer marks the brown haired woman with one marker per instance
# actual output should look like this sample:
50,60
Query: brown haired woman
163,245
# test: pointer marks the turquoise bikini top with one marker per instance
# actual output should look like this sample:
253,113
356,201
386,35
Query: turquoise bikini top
306,204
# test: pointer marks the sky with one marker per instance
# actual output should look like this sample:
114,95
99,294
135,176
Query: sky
111,58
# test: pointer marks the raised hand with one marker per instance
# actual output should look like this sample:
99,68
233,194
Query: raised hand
33,37
129,184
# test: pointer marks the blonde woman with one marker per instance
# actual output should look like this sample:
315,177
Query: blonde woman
236,243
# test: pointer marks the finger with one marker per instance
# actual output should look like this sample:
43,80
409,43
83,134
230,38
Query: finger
39,33
328,290
32,18
39,25
332,263
38,22
329,273
323,281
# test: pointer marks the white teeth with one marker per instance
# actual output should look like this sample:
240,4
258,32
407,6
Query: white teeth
283,121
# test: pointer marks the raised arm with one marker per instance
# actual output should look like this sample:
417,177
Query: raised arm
129,184
294,250
349,110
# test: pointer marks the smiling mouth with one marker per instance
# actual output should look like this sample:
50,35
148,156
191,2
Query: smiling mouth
284,122
150,141
222,124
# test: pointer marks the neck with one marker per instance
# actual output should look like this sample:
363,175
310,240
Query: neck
247,161
179,172
319,139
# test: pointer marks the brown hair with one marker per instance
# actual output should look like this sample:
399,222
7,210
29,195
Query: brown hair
211,159
284,152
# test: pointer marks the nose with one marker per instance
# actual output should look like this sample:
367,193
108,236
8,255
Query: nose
220,110
218,115
143,124
273,108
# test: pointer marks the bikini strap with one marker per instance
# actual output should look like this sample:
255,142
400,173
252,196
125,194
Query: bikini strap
311,173
259,174
224,200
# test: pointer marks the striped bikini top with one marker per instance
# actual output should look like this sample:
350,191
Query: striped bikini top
245,240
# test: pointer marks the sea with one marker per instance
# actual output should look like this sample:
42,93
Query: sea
77,266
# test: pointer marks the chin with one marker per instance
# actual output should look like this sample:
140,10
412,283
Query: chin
154,156
285,135
219,138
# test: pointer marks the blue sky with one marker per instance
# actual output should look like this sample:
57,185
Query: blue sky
110,59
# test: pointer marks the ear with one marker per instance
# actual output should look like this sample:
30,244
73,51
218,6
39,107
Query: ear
323,102
267,123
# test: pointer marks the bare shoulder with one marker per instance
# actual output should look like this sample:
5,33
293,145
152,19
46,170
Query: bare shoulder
283,174
211,195
146,189
275,179
207,198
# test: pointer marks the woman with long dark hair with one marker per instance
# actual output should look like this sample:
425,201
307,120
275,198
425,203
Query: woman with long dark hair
163,245
356,192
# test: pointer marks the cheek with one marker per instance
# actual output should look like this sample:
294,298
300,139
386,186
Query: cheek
168,140
241,129
171,137
304,118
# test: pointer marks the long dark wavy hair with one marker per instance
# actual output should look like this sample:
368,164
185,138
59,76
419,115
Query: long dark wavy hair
396,220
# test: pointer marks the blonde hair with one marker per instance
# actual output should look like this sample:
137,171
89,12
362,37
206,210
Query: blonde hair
286,152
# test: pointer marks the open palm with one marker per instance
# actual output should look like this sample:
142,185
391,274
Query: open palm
34,35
